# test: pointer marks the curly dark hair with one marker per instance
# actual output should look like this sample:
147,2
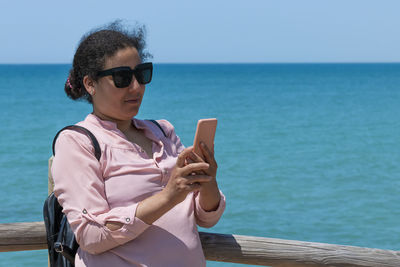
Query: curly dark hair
93,50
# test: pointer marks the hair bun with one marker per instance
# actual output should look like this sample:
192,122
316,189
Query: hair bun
71,89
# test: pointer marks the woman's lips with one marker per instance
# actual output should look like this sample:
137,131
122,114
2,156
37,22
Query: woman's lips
132,101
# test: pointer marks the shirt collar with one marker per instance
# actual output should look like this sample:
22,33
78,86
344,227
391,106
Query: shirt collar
93,119
139,124
150,129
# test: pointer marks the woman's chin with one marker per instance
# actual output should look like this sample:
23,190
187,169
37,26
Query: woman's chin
131,113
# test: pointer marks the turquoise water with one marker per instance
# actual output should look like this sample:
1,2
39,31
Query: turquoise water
305,151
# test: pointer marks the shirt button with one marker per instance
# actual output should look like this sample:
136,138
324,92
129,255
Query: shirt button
127,220
84,211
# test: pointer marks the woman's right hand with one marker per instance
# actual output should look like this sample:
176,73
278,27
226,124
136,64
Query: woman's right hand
186,177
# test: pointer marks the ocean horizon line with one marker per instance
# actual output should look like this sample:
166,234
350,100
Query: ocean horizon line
229,63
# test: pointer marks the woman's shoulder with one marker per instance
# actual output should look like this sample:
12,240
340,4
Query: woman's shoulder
78,134
160,125
170,134
70,139
166,125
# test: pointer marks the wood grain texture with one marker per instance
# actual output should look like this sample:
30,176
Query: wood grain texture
22,236
50,183
235,248
279,252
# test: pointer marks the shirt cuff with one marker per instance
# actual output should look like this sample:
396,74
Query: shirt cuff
132,226
209,218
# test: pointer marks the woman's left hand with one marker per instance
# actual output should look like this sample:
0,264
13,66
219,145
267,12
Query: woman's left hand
209,192
208,158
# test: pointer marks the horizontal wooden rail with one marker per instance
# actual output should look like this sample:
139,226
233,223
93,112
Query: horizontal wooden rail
22,236
235,248
283,253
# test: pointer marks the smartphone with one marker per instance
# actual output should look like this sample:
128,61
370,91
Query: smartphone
205,132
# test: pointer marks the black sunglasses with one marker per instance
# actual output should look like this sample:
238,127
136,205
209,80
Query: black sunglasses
122,76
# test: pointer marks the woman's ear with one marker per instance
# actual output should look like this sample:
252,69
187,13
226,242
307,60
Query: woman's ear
89,85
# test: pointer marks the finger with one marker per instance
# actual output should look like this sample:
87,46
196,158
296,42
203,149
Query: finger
195,158
194,168
208,154
191,179
194,186
180,162
189,161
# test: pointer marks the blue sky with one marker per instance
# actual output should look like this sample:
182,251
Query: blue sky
210,30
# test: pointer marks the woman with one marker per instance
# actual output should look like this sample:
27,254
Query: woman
140,204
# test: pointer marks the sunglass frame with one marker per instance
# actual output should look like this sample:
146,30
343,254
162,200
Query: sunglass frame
133,72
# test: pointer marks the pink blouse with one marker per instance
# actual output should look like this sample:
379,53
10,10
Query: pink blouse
93,192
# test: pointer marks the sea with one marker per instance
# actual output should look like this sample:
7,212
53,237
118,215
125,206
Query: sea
306,152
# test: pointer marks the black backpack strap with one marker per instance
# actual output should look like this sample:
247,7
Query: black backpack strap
159,126
97,150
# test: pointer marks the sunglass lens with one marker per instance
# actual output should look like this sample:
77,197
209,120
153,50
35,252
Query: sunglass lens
122,78
143,76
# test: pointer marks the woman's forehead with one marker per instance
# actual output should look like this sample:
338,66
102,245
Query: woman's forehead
127,56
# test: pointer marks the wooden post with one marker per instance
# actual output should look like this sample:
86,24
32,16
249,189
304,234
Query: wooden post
50,177
50,188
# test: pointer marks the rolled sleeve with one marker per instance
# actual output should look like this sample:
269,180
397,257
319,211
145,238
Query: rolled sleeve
208,219
79,187
132,226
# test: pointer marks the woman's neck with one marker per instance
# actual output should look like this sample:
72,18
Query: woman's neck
122,125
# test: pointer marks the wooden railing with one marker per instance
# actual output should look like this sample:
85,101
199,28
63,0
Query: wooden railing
234,248
231,248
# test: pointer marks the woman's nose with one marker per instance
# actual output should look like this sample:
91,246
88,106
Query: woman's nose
135,85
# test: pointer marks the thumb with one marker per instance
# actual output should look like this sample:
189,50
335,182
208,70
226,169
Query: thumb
180,161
